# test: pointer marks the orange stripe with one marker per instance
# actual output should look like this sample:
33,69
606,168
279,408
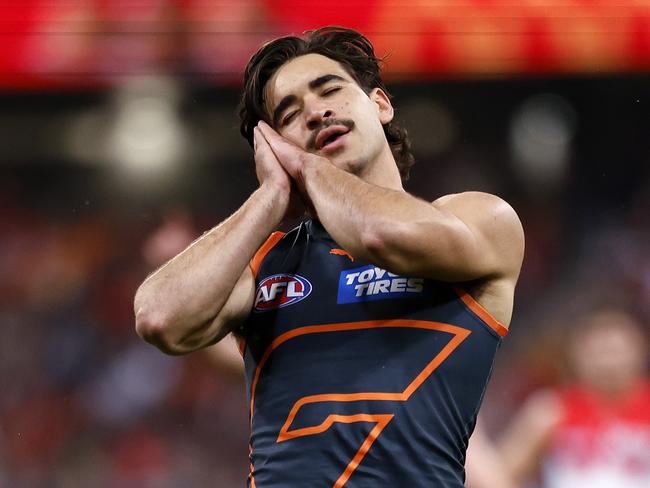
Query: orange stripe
459,335
255,264
382,422
342,252
250,466
368,324
264,250
483,314
242,346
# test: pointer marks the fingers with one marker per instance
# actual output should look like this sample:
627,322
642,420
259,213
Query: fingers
266,162
266,130
264,153
280,146
268,166
287,153
258,140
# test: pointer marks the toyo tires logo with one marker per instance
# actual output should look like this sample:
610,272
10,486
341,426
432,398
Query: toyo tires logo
281,290
369,283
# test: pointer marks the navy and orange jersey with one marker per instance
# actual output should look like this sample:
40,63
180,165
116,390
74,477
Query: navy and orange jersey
358,377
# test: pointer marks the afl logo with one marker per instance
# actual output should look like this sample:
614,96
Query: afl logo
281,290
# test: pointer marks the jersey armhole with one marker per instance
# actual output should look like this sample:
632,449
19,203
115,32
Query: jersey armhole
241,347
256,262
254,265
481,312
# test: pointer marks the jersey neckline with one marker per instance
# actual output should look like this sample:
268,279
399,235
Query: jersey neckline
316,230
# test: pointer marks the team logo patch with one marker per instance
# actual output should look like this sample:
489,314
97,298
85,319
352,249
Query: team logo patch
281,290
372,283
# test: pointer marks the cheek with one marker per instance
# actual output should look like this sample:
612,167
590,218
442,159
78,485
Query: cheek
375,128
293,134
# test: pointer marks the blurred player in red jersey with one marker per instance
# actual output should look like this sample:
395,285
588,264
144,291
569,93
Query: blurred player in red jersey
594,432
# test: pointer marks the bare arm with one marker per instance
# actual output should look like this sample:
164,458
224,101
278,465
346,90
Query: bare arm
198,296
225,356
463,237
524,441
472,236
484,467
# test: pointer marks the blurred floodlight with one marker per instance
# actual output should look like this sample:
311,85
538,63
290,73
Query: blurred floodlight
146,136
135,88
540,140
146,139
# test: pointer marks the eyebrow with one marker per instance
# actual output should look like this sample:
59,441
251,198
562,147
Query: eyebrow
313,84
321,80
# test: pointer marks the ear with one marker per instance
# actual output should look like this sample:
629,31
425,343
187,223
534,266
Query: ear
384,107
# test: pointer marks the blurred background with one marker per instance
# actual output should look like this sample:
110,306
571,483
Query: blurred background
119,145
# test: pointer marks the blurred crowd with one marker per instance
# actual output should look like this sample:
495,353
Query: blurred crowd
84,402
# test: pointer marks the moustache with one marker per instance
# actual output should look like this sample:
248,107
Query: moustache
311,143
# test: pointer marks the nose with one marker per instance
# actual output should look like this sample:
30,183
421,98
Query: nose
317,115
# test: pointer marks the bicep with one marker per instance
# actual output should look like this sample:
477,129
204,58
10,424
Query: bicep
463,237
484,236
225,356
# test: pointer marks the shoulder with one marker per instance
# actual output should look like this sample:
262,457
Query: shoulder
491,219
485,206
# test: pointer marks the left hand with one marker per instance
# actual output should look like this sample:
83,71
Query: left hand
292,157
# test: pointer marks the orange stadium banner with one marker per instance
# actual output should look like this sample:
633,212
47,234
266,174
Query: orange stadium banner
86,43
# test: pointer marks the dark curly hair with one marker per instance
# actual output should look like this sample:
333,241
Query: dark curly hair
350,48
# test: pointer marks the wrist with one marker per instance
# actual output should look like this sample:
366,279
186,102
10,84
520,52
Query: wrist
310,166
275,196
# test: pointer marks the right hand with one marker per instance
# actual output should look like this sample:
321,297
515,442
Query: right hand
269,171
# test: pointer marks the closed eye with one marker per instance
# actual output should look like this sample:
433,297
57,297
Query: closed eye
289,117
329,91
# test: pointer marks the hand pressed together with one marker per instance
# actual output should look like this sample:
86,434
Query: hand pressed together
292,157
277,152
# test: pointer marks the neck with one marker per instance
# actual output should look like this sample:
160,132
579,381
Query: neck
383,171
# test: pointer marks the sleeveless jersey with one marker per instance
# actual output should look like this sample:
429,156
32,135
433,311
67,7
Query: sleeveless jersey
358,377
600,443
